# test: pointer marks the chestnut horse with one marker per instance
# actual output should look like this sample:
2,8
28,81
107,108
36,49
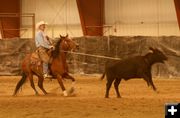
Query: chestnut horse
58,66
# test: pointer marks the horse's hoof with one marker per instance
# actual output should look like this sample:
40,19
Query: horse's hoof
65,93
46,93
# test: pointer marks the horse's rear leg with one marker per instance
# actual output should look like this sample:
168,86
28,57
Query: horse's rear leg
32,83
40,84
59,78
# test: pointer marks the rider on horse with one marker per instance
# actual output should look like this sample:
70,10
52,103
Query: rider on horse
43,44
32,64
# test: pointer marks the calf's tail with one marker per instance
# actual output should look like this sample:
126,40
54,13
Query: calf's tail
20,83
102,77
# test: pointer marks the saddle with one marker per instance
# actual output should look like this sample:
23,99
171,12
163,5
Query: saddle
35,58
36,61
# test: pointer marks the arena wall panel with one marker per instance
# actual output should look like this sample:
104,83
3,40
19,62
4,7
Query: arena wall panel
13,51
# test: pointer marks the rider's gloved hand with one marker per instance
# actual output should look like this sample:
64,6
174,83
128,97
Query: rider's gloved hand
52,47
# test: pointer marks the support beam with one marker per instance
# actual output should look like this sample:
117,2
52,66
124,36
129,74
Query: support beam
91,14
9,7
1,31
177,6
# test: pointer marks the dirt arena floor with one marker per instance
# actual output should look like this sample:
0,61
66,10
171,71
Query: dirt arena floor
138,101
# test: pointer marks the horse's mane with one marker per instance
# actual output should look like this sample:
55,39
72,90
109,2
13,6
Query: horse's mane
56,52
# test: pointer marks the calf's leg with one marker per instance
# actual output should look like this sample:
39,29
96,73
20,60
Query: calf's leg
150,81
148,78
147,81
108,86
152,84
116,84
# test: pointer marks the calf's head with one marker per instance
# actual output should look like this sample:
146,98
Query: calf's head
158,56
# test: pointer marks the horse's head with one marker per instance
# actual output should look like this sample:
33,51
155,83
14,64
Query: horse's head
68,44
64,44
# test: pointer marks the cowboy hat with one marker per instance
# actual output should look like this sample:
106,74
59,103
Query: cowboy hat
40,23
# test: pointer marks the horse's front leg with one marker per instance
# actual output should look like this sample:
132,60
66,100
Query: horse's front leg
59,78
67,76
71,90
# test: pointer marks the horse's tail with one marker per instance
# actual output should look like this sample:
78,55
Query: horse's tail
102,77
20,83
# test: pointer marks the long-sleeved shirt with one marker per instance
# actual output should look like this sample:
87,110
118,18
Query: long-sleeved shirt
41,40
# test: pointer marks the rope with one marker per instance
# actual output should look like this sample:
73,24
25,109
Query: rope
91,55
66,16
